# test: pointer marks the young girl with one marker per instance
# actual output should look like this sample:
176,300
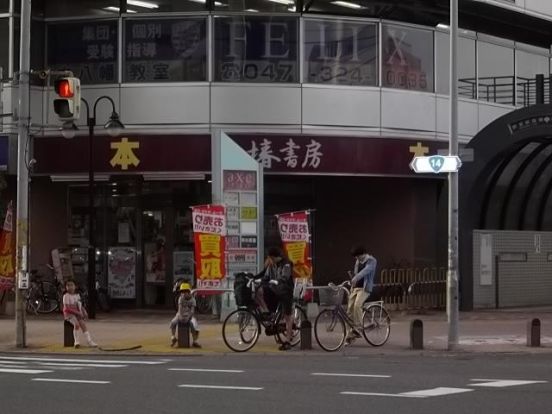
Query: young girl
74,312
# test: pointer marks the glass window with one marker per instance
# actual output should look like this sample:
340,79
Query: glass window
496,73
341,52
529,65
280,6
4,46
89,49
256,49
4,6
466,65
407,61
66,8
164,6
169,50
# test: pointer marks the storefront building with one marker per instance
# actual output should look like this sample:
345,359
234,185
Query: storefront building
332,98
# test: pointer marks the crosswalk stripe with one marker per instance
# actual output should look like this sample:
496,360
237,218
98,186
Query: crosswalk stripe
70,380
231,371
379,394
494,383
24,371
433,392
97,361
63,364
335,374
220,387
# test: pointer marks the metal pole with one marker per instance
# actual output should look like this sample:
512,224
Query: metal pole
91,213
452,275
22,172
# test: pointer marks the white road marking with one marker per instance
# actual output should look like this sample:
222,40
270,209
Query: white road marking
496,383
23,371
63,364
231,371
433,392
47,366
97,361
220,387
336,374
70,380
12,362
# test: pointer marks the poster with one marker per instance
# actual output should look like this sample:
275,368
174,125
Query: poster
209,224
183,264
122,272
7,256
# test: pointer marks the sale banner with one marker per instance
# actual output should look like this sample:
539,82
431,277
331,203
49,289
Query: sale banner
295,235
209,224
7,257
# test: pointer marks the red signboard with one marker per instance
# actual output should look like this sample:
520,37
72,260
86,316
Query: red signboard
239,180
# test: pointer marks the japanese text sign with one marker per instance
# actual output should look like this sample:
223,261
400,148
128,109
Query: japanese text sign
7,259
209,224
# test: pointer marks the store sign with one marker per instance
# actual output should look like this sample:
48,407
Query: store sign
341,52
241,180
169,50
256,49
89,49
407,58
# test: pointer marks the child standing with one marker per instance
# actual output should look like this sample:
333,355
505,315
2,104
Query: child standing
185,314
74,312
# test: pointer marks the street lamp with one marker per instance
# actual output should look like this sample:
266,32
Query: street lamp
114,127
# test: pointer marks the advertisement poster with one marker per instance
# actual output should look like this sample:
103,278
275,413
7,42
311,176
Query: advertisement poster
209,224
155,262
294,231
122,272
7,257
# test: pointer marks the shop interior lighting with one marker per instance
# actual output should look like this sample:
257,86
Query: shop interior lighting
116,9
144,4
252,10
217,3
443,26
347,4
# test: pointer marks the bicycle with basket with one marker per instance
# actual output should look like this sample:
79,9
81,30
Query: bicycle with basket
330,326
241,328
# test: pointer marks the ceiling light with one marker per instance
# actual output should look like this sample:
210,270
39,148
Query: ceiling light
286,2
443,26
252,10
347,4
116,9
217,3
144,4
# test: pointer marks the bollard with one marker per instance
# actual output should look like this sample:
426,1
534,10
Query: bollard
68,338
534,332
416,334
306,335
183,335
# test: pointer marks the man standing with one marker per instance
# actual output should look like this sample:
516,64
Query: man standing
362,283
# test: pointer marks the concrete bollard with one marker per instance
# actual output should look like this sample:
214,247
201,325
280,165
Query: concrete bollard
183,335
416,334
306,335
68,338
534,332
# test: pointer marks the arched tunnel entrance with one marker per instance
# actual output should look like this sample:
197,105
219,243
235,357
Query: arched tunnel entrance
505,213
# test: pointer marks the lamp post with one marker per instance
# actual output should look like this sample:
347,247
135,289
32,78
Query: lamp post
113,127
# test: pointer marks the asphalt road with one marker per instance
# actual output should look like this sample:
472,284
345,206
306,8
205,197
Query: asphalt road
244,384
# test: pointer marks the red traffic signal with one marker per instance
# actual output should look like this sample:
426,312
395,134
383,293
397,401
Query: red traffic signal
64,88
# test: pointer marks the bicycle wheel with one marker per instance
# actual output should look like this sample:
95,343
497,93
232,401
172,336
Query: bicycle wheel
203,304
299,316
376,325
240,330
329,330
48,300
32,300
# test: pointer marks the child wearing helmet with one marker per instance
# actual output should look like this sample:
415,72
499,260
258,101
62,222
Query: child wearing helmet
186,307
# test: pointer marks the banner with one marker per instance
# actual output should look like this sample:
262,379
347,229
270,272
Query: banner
7,258
209,224
295,235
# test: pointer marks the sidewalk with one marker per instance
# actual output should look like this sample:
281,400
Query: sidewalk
489,331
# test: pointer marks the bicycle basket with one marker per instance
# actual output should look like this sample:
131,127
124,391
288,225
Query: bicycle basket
330,297
242,292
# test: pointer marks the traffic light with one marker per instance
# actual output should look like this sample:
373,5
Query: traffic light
67,105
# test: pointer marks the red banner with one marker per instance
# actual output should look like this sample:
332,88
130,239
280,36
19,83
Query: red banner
7,272
209,223
295,235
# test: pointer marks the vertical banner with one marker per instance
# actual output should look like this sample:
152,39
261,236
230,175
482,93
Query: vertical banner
295,234
7,272
209,224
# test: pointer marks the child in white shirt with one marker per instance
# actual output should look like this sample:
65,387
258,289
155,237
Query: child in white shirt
74,312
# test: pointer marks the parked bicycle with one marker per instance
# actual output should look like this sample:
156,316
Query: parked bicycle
44,294
330,326
241,328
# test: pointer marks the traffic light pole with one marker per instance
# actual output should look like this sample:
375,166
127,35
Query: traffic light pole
23,122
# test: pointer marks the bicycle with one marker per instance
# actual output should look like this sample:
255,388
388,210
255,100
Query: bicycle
241,328
330,325
43,296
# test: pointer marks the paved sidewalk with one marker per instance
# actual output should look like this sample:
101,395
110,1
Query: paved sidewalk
482,331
